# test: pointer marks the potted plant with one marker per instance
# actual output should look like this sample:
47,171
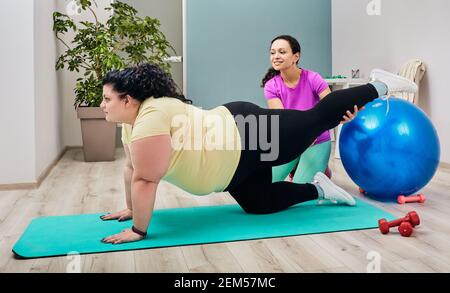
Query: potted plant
97,48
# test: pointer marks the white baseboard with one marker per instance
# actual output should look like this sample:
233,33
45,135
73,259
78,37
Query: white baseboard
41,177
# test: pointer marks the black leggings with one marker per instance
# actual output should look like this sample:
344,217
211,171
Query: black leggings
251,185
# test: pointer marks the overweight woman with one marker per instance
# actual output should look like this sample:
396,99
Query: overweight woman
231,148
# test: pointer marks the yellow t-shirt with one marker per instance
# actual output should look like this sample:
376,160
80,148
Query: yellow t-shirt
206,145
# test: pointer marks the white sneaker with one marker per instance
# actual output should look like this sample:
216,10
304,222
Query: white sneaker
333,192
395,83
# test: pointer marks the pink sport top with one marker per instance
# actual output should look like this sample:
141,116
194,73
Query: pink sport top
304,96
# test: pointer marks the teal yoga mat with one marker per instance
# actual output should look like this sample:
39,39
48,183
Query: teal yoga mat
60,235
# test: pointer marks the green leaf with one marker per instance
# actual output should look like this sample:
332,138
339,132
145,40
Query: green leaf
123,40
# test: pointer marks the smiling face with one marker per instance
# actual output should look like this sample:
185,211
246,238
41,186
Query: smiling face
114,105
281,55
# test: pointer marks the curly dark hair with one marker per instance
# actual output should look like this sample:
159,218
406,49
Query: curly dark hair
143,81
295,47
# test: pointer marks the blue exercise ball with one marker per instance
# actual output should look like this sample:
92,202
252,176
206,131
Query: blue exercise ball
390,148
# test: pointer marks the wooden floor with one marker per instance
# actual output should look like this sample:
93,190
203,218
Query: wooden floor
75,187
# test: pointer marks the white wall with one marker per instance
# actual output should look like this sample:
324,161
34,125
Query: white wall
405,29
37,117
30,108
48,118
17,99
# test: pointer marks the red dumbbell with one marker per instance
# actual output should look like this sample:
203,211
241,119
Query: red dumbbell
405,229
401,199
411,217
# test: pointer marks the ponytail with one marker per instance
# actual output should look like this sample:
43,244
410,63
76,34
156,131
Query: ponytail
271,73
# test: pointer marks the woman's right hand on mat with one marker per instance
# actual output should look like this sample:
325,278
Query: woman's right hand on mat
123,215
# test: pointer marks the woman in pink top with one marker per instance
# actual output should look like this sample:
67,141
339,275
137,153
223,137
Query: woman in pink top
286,86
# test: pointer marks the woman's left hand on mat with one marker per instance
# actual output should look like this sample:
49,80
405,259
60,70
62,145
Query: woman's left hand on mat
350,116
125,236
